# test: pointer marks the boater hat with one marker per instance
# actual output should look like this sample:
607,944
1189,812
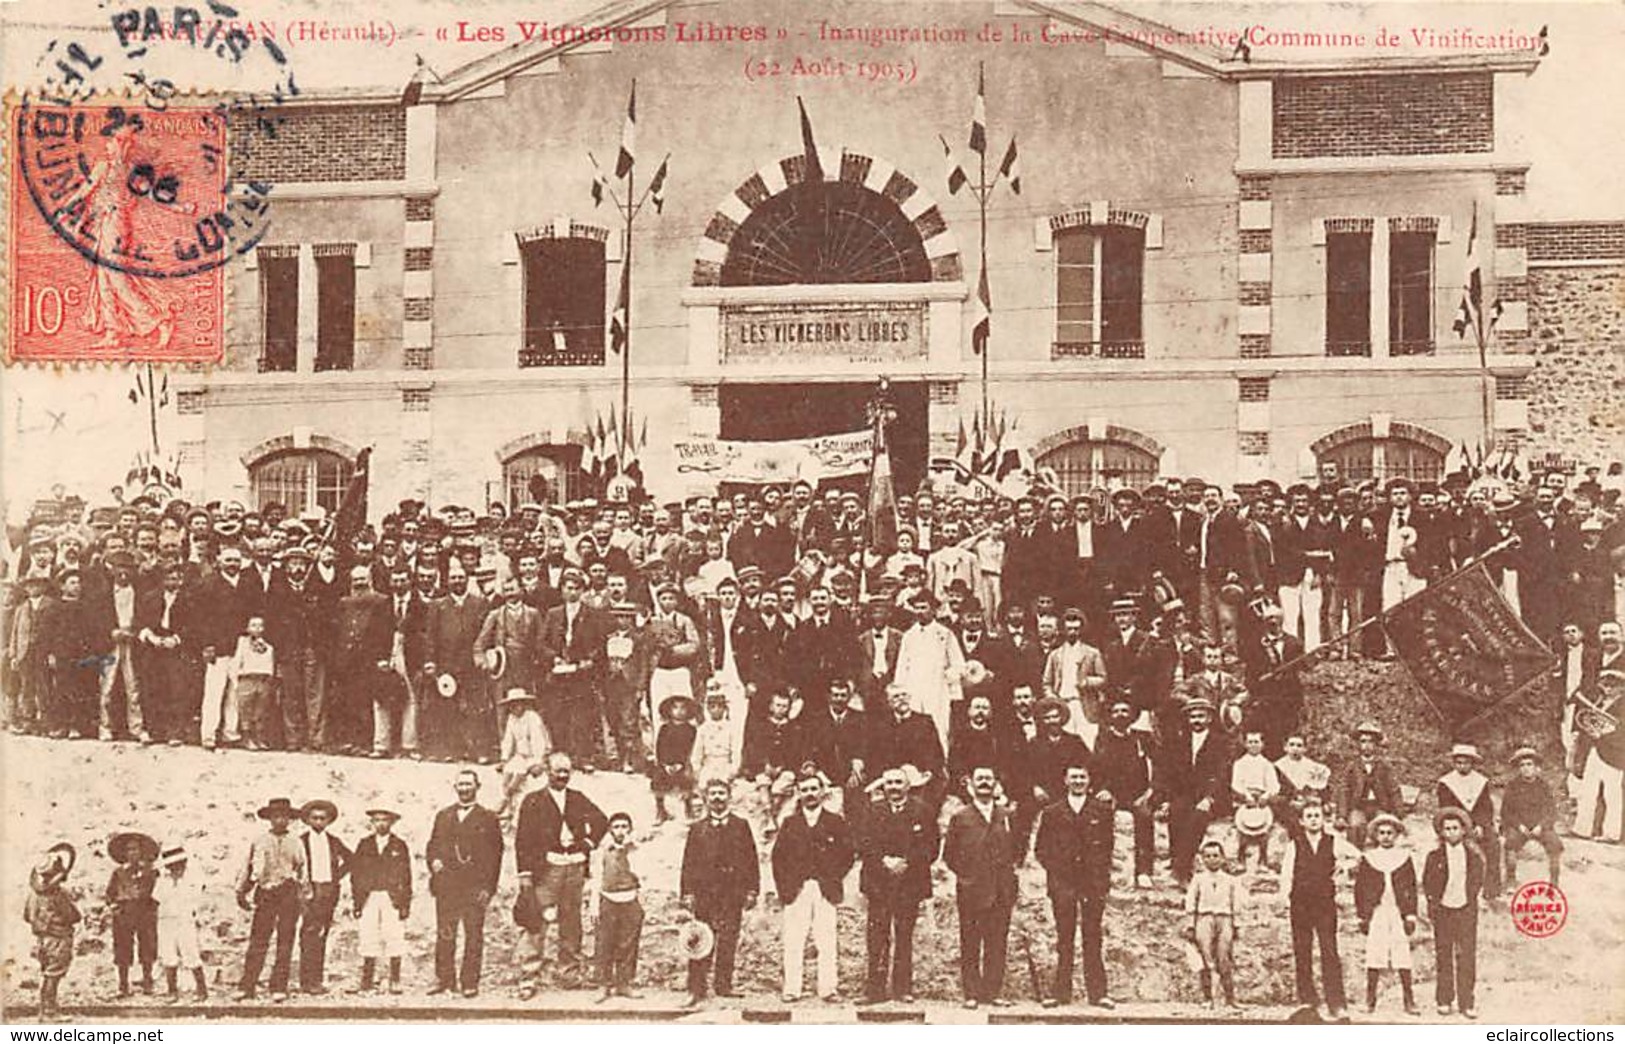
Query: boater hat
1385,817
1452,813
118,847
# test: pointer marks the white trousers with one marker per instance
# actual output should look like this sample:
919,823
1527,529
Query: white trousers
1600,779
383,933
1398,584
809,913
1306,596
219,704
177,943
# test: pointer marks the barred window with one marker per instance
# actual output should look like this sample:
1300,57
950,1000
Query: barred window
1087,463
1383,459
543,474
300,480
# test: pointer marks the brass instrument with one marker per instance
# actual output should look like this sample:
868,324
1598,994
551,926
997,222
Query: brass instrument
1100,505
1597,719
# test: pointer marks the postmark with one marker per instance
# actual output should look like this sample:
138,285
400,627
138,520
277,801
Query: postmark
129,195
1539,909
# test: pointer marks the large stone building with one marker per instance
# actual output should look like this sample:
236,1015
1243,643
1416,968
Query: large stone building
1214,267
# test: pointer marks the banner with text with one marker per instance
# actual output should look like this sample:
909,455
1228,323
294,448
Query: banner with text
827,456
1465,645
853,333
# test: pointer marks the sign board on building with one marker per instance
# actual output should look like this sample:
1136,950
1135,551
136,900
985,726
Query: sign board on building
856,333
827,456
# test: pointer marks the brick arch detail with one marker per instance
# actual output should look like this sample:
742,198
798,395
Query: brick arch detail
1396,430
531,441
1114,433
578,230
284,444
1084,217
878,175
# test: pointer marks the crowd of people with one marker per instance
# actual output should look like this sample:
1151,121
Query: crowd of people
1002,683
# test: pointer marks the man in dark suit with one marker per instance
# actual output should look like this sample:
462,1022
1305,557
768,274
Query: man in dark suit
1221,557
836,739
822,647
514,626
811,855
361,658
901,737
1121,547
876,662
720,878
573,637
558,830
1193,781
760,543
1022,578
1356,557
328,861
981,851
1075,848
1277,695
167,665
465,860
468,728
396,695
1123,768
1548,543
300,611
898,841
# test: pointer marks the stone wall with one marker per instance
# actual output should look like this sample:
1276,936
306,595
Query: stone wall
1577,390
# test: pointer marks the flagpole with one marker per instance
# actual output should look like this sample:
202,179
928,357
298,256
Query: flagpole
152,410
626,344
982,194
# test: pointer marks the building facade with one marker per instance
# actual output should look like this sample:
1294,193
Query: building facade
1213,267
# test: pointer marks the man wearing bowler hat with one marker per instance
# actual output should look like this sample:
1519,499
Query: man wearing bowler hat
329,861
272,883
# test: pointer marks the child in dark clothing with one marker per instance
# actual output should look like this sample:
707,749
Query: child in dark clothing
673,771
620,914
52,916
135,915
1452,880
1529,813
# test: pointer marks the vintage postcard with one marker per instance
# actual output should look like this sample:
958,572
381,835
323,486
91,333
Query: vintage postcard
713,511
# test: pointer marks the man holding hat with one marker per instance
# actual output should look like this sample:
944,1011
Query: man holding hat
329,862
572,651
272,883
53,916
468,727
1468,789
898,841
558,829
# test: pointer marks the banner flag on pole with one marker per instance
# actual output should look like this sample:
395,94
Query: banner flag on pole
1008,170
1469,312
956,174
882,517
657,187
809,147
629,135
981,315
618,318
1465,646
978,120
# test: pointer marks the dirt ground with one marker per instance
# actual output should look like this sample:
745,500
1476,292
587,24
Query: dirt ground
83,792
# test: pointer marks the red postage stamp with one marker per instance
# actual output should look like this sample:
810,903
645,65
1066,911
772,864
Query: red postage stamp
119,231
1540,909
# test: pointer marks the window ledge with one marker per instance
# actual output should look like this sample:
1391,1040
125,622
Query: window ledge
1097,350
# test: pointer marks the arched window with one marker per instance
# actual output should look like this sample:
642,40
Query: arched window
1383,459
548,474
300,480
1407,452
1081,463
826,232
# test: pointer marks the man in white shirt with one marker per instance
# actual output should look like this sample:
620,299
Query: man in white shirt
328,861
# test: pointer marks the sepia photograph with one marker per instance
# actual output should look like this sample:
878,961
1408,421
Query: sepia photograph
755,512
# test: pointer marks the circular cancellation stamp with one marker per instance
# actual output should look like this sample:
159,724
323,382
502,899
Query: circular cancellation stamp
128,195
1539,909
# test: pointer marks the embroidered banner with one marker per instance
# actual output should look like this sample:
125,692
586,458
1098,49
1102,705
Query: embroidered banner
827,456
1465,645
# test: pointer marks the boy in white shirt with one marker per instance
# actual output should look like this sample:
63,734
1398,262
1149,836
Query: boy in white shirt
178,900
1254,785
252,668
524,747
